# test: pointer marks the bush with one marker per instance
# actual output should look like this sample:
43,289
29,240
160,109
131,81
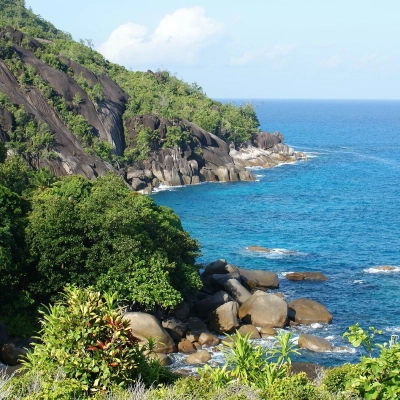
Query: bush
335,379
102,234
295,387
85,338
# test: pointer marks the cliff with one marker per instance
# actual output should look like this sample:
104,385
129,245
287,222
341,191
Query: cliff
60,114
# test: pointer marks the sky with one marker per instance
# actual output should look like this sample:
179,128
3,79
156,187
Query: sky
287,49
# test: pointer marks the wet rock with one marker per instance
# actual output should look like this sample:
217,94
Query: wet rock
313,343
267,332
259,249
201,357
175,328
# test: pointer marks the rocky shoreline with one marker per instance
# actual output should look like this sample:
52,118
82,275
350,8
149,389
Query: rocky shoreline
231,299
206,159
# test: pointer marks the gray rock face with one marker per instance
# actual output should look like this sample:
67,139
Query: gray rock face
264,309
313,343
224,318
266,140
145,326
306,311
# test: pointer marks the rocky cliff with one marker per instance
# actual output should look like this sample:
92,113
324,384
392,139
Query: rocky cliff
83,110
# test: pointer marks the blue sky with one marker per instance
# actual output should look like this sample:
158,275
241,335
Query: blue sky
287,49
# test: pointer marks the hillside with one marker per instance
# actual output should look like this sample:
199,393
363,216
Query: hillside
64,106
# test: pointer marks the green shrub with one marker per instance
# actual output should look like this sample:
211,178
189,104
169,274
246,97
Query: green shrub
378,378
294,387
250,365
85,337
102,234
335,379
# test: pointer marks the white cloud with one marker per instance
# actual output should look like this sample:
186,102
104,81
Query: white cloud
331,62
177,40
276,54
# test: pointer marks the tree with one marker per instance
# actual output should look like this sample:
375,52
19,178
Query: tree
102,234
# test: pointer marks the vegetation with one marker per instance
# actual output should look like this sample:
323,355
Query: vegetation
160,93
85,335
75,231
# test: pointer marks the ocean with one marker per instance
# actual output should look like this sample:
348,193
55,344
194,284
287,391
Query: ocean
337,213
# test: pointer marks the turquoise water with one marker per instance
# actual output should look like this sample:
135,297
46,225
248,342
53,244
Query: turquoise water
337,213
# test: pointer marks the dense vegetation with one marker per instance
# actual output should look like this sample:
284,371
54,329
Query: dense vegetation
90,234
88,352
89,249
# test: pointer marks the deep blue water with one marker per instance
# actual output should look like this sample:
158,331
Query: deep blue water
339,212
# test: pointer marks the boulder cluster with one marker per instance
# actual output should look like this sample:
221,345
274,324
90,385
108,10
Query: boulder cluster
231,299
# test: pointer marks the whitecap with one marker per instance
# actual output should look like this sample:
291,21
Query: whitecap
378,270
316,325
275,253
360,281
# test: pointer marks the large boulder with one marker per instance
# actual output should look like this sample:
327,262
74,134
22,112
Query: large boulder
264,309
224,318
146,326
261,278
201,357
313,343
209,304
237,290
306,311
